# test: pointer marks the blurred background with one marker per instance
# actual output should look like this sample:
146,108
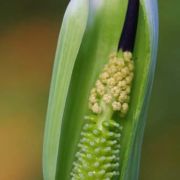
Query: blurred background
28,37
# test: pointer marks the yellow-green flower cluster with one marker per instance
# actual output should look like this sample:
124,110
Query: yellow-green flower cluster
98,152
113,86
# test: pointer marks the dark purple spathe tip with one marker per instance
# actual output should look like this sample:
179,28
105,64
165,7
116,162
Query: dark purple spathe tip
130,26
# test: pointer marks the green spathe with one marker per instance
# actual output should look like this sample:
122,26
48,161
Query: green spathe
76,70
72,31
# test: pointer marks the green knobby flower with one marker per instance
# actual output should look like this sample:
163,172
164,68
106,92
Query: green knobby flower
101,84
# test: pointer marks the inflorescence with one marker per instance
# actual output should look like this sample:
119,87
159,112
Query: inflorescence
98,154
114,85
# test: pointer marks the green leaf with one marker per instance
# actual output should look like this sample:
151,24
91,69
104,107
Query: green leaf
72,31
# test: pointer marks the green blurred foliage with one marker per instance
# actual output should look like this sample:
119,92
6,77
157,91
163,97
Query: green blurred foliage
12,11
161,149
28,37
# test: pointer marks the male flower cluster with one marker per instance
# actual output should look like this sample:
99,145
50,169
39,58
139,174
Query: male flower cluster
113,86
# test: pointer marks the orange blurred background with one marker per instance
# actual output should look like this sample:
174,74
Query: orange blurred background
28,37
